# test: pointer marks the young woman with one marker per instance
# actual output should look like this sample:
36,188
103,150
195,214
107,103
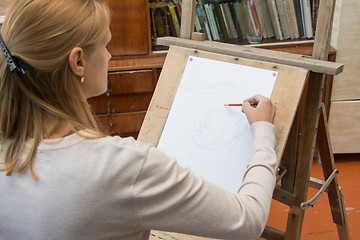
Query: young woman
61,178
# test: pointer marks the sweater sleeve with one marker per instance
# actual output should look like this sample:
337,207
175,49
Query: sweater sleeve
171,198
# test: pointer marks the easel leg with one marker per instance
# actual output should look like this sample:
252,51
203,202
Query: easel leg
315,120
336,199
305,158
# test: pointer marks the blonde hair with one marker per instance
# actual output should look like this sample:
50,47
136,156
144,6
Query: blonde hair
34,105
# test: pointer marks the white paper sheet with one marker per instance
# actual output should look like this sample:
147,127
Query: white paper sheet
213,140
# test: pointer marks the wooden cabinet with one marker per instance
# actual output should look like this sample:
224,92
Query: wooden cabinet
122,108
128,91
133,70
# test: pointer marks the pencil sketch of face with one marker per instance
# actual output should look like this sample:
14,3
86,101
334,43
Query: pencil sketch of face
216,125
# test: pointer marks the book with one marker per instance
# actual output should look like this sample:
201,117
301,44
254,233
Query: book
275,19
226,21
221,21
177,9
203,20
171,25
174,19
231,21
198,27
306,16
298,15
284,21
289,4
217,22
236,21
241,18
262,11
212,24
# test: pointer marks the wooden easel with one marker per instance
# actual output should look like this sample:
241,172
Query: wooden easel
296,152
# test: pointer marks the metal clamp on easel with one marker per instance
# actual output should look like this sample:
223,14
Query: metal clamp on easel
312,201
282,171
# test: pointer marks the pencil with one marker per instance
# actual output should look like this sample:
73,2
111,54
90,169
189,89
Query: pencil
238,104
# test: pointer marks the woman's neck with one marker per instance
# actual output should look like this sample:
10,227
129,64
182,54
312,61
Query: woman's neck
61,130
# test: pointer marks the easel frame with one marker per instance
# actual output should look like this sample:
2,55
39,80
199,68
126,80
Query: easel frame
298,152
288,77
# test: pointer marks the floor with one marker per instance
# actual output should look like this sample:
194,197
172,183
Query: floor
318,220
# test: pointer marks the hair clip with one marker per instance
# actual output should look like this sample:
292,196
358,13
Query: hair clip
13,61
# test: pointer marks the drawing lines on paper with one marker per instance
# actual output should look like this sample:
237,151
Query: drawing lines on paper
213,140
215,125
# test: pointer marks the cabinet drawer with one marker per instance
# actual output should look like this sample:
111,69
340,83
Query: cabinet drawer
122,124
128,82
120,103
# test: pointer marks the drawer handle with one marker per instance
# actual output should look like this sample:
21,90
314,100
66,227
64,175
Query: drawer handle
108,107
111,123
107,89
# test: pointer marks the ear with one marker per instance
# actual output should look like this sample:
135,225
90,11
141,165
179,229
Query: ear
77,61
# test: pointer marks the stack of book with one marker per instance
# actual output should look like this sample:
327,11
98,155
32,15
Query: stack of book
223,20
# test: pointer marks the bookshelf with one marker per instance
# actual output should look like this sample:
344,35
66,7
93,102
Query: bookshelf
238,21
137,62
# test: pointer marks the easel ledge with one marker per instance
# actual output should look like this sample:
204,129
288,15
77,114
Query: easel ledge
290,59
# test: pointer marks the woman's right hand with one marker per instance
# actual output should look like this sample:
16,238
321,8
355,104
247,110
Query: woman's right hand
262,110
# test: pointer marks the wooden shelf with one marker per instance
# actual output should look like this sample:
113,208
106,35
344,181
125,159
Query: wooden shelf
153,60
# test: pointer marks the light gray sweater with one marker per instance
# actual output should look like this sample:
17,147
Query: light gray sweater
114,188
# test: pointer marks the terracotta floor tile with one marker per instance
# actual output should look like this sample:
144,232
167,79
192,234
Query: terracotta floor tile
318,223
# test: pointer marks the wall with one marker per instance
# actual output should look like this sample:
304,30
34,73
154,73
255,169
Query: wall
4,4
344,119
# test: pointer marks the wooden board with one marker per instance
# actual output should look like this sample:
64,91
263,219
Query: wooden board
286,94
296,60
343,126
